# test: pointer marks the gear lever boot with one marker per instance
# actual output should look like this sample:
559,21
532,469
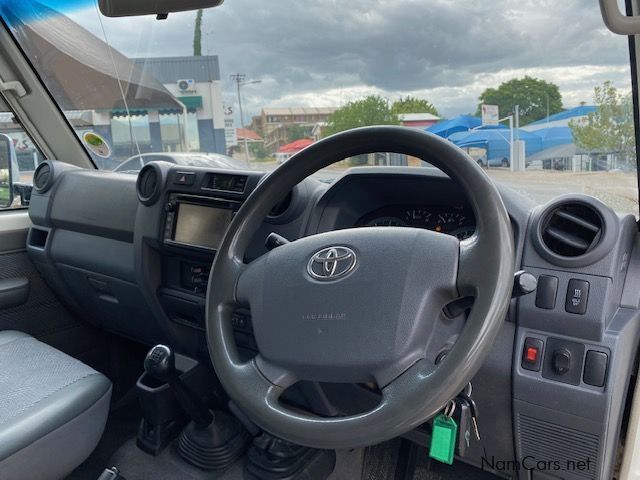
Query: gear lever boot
272,458
210,441
216,446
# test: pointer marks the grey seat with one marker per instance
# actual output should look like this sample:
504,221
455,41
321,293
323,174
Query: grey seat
53,409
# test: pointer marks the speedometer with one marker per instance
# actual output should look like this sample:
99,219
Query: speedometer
454,223
446,222
418,217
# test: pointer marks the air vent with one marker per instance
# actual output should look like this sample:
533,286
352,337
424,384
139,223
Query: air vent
574,230
43,177
571,229
148,184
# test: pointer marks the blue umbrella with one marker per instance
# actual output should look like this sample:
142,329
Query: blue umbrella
496,141
462,123
554,136
580,111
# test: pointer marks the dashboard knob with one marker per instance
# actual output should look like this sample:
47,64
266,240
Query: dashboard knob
523,283
561,361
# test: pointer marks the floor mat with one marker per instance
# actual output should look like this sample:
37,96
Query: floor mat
137,465
122,425
427,469
118,448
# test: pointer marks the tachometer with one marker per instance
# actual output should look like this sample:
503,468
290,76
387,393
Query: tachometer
386,222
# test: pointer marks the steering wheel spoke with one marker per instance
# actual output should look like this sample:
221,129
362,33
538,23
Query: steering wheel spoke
471,263
275,374
246,282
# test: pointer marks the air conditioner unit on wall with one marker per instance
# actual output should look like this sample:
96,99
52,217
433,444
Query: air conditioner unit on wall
186,85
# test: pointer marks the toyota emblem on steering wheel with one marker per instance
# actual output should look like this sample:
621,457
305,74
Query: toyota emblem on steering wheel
331,263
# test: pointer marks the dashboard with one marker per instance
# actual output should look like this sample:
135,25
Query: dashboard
134,258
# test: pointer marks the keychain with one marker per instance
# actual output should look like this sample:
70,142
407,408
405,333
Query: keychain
444,435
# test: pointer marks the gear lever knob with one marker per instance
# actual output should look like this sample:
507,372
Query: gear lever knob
160,363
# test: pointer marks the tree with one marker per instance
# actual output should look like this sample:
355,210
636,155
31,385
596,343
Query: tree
610,128
411,104
197,35
372,110
296,132
259,151
534,96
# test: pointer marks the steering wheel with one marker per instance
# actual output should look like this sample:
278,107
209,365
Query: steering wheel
360,304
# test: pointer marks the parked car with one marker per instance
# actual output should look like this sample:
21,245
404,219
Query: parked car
210,160
493,162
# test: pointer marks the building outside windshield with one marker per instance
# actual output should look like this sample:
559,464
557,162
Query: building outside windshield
538,93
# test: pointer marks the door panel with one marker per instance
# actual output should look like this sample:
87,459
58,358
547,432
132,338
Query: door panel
36,311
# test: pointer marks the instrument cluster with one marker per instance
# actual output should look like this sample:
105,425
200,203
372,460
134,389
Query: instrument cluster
452,220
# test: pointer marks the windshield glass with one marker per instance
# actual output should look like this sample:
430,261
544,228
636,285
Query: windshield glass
538,93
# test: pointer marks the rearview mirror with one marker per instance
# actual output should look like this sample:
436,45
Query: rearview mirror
131,8
8,169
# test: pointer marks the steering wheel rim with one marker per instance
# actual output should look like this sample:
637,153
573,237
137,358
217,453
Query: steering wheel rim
416,388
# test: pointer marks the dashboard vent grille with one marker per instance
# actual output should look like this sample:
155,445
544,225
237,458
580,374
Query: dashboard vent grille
42,178
148,184
540,440
571,229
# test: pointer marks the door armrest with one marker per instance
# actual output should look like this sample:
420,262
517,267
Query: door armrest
13,291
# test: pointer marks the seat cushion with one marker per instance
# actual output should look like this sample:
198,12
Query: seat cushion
53,409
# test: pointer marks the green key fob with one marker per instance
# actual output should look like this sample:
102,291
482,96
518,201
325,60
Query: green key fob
443,439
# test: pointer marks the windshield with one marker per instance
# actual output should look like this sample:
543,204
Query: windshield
538,93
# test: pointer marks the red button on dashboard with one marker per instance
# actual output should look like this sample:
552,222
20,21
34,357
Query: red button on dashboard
532,354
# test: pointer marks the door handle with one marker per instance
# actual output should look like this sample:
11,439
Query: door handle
13,291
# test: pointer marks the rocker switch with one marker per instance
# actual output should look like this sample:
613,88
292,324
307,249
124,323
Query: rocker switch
577,296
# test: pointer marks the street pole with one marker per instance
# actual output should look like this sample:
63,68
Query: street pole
547,95
517,160
239,79
511,150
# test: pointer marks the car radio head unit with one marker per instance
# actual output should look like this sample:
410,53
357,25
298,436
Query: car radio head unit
197,221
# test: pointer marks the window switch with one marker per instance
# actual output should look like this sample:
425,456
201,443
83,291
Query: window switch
546,292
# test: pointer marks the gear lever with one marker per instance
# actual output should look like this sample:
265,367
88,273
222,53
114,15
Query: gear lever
160,364
210,441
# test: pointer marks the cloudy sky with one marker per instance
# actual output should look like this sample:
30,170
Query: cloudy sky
327,53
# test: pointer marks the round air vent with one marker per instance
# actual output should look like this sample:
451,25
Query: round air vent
149,184
574,231
43,177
